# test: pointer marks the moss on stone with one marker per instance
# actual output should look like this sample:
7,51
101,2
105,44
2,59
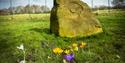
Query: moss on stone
71,18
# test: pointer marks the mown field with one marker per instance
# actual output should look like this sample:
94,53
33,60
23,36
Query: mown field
33,32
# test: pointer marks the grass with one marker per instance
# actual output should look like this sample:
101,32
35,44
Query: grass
113,12
106,47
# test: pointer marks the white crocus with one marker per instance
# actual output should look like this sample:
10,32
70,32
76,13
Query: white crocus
23,61
21,47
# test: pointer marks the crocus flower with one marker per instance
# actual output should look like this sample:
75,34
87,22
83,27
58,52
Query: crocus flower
69,57
57,50
48,57
74,45
66,51
23,61
75,48
82,45
64,61
21,47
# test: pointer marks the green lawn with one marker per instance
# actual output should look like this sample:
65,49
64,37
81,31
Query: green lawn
33,32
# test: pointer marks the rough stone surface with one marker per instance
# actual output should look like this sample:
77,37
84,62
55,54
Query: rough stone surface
72,18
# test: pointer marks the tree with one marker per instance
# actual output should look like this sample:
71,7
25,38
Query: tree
45,9
118,3
115,2
28,9
19,10
36,9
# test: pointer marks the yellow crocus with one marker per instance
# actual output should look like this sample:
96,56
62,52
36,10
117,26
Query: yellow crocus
57,50
82,45
75,48
74,45
67,51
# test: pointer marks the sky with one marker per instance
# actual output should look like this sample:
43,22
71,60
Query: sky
6,3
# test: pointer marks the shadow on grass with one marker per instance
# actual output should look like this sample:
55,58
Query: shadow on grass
120,38
7,48
45,30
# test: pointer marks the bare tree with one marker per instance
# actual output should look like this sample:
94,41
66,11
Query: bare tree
118,3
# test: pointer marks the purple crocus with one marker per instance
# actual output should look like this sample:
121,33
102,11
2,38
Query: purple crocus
69,57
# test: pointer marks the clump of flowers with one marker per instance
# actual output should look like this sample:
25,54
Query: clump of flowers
68,53
21,47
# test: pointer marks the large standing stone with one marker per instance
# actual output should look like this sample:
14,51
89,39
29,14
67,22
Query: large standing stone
71,18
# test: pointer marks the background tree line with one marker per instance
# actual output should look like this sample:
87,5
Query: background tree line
28,9
116,4
33,9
